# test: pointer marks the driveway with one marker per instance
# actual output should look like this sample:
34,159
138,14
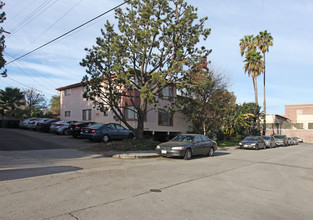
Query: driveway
236,184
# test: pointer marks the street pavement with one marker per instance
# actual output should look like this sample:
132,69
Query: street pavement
66,183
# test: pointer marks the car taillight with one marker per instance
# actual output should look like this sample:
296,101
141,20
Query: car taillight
76,126
59,125
93,131
34,122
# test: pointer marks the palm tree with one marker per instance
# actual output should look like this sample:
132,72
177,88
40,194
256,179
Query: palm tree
254,67
10,99
246,44
263,41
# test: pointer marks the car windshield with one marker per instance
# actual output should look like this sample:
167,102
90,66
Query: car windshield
266,137
183,138
279,137
250,138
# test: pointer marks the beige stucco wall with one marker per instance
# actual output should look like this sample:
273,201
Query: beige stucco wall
305,119
75,103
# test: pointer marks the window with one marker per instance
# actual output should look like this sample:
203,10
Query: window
131,113
165,118
197,139
67,113
299,112
86,114
167,92
67,92
119,127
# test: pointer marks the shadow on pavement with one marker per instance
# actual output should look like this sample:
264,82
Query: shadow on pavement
13,174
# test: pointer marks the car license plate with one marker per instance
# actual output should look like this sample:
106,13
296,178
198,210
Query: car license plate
163,151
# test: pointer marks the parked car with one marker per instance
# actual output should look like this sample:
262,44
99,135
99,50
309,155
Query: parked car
33,123
300,140
291,141
269,141
56,125
45,126
75,128
106,132
23,123
295,140
63,127
187,145
39,122
281,140
255,142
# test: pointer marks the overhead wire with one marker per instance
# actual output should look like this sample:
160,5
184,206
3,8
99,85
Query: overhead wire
33,71
32,16
66,13
67,33
8,21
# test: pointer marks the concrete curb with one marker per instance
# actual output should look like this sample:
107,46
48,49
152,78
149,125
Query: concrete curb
135,156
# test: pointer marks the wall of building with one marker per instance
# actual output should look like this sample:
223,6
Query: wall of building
75,103
293,111
305,134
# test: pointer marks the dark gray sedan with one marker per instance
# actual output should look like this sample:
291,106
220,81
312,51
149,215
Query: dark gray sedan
187,145
254,142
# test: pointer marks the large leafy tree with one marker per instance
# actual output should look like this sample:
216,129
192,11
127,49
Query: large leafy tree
130,65
2,41
10,100
263,41
204,99
35,101
55,105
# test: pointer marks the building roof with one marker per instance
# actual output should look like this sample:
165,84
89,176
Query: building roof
69,86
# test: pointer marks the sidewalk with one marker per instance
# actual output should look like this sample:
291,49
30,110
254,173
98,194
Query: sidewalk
149,154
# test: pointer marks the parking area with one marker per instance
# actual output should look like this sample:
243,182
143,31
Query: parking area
64,183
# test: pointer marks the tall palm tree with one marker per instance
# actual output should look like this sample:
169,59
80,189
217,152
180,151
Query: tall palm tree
254,67
246,44
263,41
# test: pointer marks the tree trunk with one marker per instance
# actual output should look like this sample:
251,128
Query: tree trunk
255,90
264,102
141,119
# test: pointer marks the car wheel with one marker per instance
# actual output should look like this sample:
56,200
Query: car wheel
106,138
131,136
211,152
188,154
65,131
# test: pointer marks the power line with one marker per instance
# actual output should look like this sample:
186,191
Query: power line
34,71
66,13
63,35
34,15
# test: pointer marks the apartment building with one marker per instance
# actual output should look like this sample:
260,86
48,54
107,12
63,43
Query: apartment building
159,124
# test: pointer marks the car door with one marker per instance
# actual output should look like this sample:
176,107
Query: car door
121,131
112,131
207,144
261,142
197,146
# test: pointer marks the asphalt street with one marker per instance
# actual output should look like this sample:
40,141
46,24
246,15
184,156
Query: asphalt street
66,183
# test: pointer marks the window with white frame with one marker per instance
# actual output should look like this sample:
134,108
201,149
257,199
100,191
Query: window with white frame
165,118
67,92
67,113
86,114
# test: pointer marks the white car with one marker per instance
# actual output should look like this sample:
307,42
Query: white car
61,127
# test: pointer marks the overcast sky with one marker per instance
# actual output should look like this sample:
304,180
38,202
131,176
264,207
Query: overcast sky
289,63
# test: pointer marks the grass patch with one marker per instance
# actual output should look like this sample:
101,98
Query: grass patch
124,145
231,142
